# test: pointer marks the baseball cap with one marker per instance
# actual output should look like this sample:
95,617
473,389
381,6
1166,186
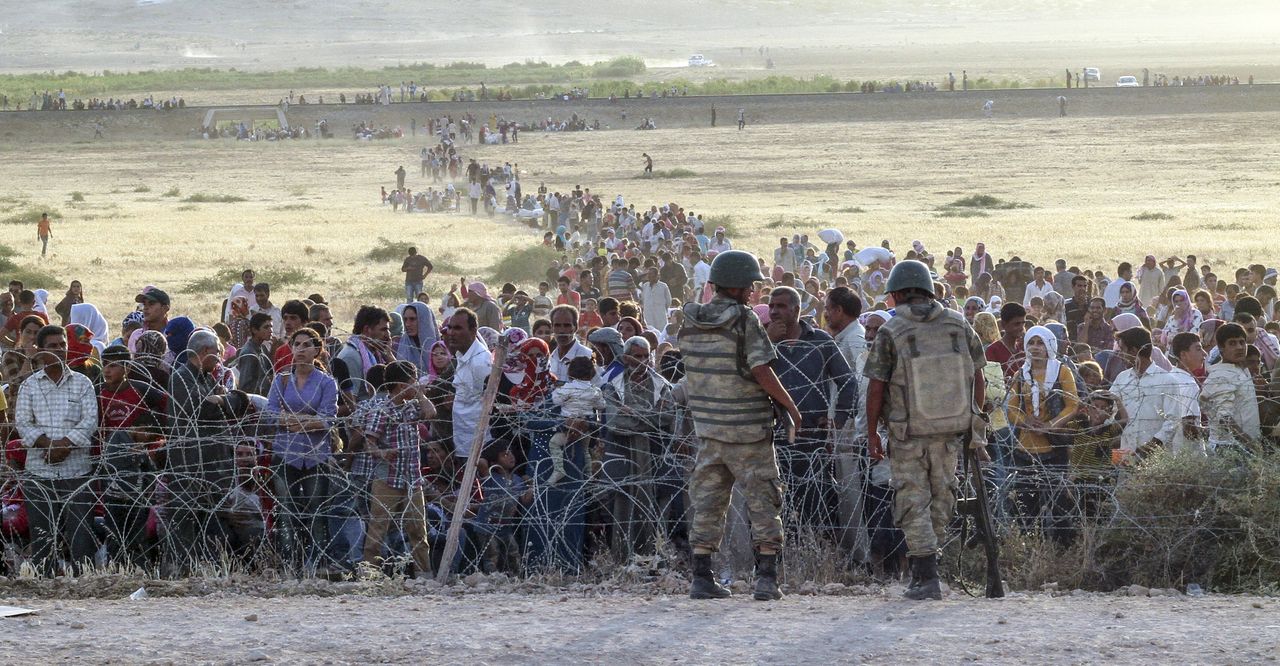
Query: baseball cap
150,293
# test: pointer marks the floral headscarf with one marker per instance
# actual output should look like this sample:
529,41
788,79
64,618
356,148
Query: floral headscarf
149,348
79,347
240,307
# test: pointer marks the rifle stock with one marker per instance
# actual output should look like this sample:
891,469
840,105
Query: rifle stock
982,513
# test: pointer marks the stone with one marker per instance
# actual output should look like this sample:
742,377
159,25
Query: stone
251,617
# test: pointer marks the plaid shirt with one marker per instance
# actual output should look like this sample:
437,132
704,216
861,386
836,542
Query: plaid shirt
363,464
67,409
396,427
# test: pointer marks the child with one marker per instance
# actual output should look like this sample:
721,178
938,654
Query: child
589,318
506,495
542,302
578,400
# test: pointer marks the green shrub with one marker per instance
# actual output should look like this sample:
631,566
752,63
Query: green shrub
297,206
678,172
524,264
31,278
963,213
1148,216
29,214
222,280
77,196
387,250
201,197
141,188
172,192
985,201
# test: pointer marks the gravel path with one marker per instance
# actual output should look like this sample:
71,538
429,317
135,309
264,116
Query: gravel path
502,628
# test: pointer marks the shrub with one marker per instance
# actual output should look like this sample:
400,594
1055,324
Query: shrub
29,214
985,201
387,250
141,188
524,264
710,222
678,172
223,279
963,213
201,197
172,192
31,278
1146,216
847,210
77,196
297,206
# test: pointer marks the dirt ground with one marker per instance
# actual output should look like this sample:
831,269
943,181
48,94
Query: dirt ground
648,628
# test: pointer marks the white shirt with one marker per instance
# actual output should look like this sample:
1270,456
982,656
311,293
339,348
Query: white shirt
718,246
701,273
1034,290
277,320
1229,391
655,298
1155,403
67,409
559,365
1183,401
473,368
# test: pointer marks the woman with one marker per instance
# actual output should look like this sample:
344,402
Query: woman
88,316
238,321
149,350
414,344
1204,304
74,296
253,360
972,306
1042,400
1055,307
439,390
987,328
17,361
1129,304
1266,295
177,332
303,403
1184,318
80,353
629,327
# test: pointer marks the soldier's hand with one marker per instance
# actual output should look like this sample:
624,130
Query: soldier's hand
875,449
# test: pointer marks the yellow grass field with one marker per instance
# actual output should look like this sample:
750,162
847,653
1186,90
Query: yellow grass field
313,205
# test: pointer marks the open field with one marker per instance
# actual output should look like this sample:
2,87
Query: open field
313,205
635,628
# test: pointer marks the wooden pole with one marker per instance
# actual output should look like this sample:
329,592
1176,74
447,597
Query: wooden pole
469,472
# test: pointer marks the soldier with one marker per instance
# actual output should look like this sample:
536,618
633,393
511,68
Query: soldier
729,384
928,361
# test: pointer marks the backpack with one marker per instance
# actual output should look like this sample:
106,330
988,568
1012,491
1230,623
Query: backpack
938,390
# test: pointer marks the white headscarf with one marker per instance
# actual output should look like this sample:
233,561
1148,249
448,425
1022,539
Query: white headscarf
88,315
1127,320
1051,368
42,297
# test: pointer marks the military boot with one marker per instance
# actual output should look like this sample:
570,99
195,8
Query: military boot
767,578
704,581
926,574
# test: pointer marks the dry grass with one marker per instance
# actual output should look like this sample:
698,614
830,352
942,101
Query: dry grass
902,173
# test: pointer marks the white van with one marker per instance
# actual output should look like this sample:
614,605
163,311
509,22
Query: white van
699,60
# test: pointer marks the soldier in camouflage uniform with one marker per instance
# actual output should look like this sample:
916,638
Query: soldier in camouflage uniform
925,375
729,385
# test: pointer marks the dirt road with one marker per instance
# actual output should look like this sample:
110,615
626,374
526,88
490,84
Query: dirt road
639,628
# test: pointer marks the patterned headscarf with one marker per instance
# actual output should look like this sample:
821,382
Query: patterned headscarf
149,348
79,347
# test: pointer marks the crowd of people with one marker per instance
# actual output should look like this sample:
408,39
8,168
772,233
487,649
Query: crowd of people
57,101
273,436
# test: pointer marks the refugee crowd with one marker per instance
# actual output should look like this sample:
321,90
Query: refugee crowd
321,438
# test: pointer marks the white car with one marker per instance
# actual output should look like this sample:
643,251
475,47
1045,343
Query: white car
1092,74
1127,82
699,60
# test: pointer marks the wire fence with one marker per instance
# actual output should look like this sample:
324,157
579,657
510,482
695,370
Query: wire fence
204,484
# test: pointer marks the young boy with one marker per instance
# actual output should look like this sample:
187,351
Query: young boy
506,494
542,302
589,318
578,401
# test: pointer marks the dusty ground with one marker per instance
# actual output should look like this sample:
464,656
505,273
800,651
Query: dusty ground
638,628
314,204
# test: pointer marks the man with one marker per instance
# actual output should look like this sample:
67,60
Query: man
1124,273
819,381
731,391
843,307
262,303
1095,329
674,274
1038,288
294,314
639,410
1150,395
567,296
1062,279
481,303
719,244
400,173
369,345
155,308
564,329
1229,397
701,275
1007,351
933,361
199,455
648,164
1150,281
608,311
472,363
56,417
1076,306
26,307
586,286
784,256
1186,434
655,298
415,268
44,232
621,283
9,299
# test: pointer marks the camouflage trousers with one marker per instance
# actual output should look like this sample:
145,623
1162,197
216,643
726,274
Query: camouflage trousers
753,467
925,485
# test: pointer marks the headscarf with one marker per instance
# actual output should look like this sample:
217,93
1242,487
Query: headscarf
418,353
480,290
982,305
1051,368
133,318
432,373
240,307
562,234
177,332
762,311
530,378
88,315
488,336
1127,320
995,304
1054,306
396,326
42,297
148,348
608,337
79,347
1209,327
882,315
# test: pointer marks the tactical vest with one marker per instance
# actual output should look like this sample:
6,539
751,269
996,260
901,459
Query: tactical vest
726,402
931,390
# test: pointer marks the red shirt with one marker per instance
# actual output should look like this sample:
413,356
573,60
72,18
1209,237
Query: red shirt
283,358
1010,360
14,322
572,298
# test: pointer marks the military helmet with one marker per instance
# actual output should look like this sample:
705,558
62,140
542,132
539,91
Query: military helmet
910,274
735,269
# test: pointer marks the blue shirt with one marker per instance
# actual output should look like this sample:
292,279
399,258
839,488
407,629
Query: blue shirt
318,397
808,368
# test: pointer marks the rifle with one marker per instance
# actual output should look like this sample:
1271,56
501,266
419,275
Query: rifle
981,512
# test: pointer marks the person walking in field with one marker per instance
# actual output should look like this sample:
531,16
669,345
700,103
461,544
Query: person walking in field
1062,106
44,232
400,173
742,119
648,164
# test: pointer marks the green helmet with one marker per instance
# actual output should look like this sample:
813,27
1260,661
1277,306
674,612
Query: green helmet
735,269
909,274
